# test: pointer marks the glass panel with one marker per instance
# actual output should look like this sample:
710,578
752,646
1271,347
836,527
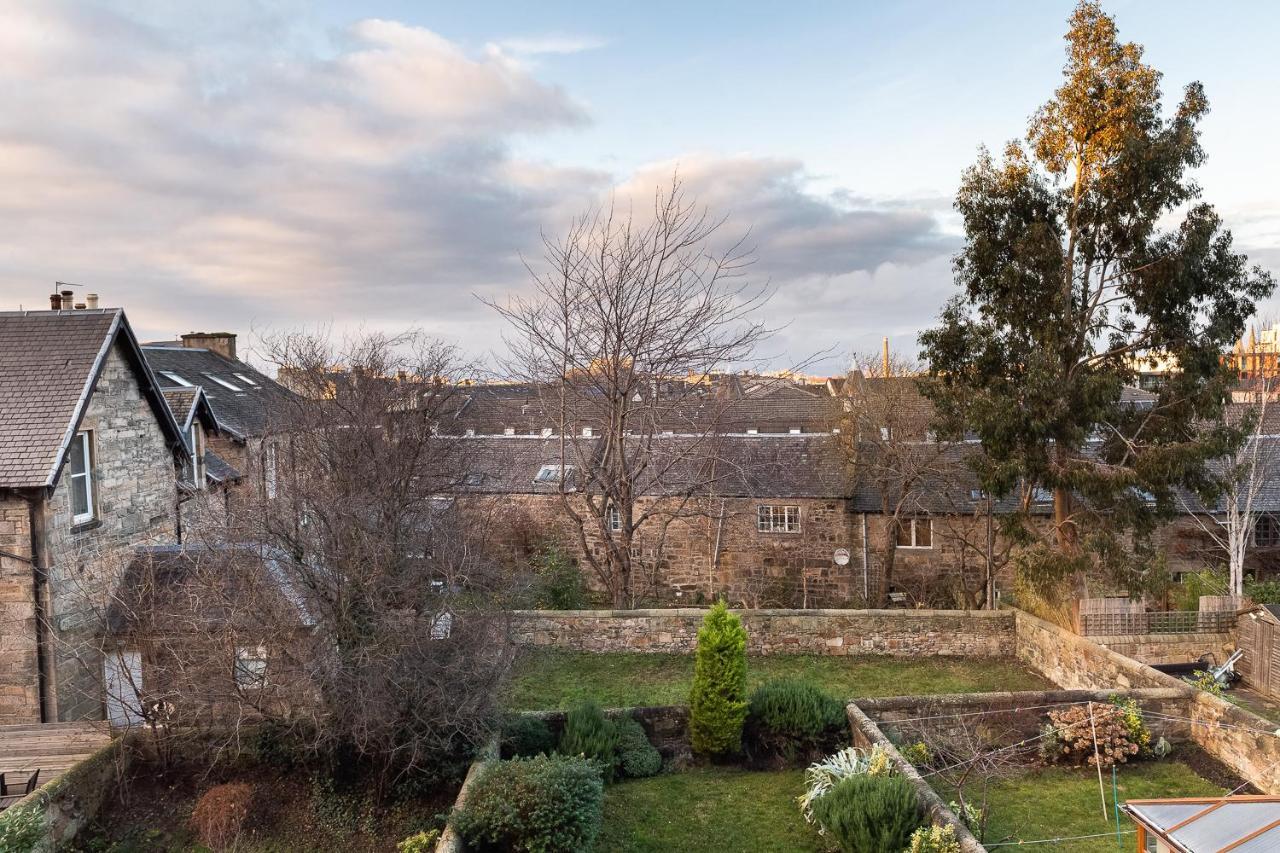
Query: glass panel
924,533
78,454
904,533
79,496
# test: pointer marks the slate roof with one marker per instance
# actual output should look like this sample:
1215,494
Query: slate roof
247,411
49,366
762,466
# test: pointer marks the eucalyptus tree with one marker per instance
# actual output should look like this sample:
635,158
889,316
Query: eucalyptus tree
1087,254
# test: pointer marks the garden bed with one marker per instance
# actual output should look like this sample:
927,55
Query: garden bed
547,679
709,809
1057,802
291,811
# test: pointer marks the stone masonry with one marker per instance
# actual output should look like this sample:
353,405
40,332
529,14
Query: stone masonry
905,633
136,502
19,678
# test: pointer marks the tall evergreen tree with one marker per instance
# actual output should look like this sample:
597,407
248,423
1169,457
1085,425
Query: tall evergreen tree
1088,253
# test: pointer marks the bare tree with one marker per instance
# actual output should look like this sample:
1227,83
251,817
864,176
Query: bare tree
1245,472
341,598
885,435
625,326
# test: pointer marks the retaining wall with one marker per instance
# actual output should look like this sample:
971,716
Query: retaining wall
906,633
1240,739
70,802
1170,648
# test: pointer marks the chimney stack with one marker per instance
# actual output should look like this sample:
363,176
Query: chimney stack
68,300
91,300
223,343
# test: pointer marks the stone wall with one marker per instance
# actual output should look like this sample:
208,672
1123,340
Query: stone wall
1011,717
19,677
1240,739
135,486
906,633
1170,648
712,549
866,735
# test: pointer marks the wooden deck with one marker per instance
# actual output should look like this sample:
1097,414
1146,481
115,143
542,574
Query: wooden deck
52,748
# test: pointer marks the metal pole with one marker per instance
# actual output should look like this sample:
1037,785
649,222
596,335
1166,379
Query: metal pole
1115,804
1097,759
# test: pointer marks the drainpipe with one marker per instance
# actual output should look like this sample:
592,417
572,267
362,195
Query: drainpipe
40,589
866,560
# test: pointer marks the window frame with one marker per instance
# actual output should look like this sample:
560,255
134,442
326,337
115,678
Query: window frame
250,661
779,518
910,524
1273,525
270,471
85,439
614,519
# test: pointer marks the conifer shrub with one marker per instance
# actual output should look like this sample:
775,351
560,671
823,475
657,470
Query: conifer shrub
588,733
637,757
544,804
524,736
790,719
718,700
869,814
220,814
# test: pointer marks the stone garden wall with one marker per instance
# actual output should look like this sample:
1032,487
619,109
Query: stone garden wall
905,633
1240,739
1170,648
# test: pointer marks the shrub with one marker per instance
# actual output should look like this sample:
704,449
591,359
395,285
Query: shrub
420,842
590,734
869,814
1076,731
220,814
1134,724
934,839
1262,592
1050,743
973,817
525,735
822,775
544,804
917,753
274,744
788,718
1162,748
637,757
557,580
21,828
717,703
1206,682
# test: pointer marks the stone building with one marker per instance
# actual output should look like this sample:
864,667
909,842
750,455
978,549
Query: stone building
89,455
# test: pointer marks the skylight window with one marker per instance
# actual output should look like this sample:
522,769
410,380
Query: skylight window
245,379
173,377
224,383
552,473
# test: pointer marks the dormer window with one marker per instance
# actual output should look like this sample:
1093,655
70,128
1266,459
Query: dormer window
81,478
752,431
794,431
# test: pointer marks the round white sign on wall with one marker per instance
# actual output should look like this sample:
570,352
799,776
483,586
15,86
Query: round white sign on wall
841,556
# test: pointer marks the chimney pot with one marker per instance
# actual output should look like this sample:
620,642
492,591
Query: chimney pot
79,306
55,301
68,300
91,300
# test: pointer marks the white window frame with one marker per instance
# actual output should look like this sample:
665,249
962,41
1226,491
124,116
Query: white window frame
250,667
269,472
173,377
85,439
615,519
197,454
910,524
224,383
778,518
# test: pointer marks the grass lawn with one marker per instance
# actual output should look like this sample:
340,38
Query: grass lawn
546,679
1054,802
708,809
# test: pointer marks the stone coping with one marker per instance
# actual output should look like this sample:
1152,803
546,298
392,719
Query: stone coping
450,841
700,611
933,806
1016,699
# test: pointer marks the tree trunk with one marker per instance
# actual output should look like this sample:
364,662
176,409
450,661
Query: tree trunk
889,554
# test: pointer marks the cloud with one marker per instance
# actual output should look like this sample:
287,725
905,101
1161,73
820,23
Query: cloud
549,43
249,174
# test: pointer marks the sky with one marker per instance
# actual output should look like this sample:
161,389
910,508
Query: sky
264,166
